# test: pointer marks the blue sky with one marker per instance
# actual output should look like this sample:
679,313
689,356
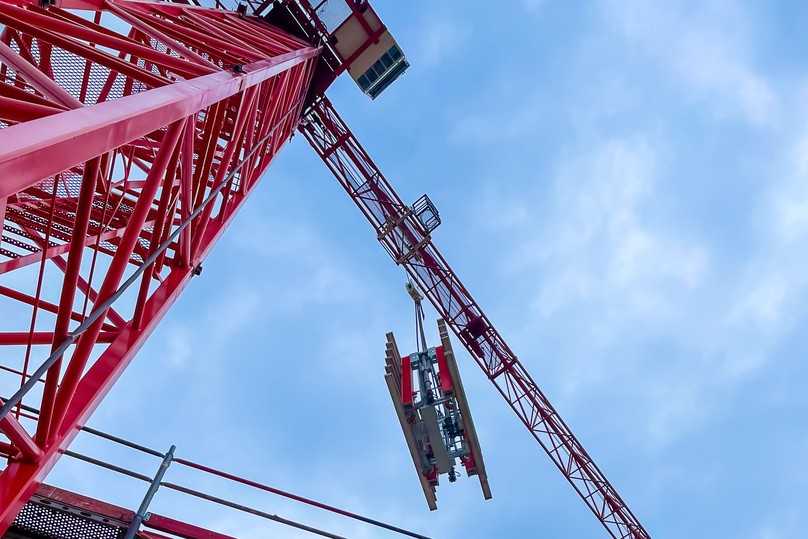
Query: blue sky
623,187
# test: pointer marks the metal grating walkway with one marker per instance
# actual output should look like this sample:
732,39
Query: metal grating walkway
41,518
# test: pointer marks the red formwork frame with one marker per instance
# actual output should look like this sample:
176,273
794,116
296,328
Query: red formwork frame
409,244
121,154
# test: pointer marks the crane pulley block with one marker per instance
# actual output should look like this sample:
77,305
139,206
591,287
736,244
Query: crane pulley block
431,405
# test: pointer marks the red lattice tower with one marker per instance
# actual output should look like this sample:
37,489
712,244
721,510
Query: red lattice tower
154,137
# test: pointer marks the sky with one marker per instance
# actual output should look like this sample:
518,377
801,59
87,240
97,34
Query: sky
624,189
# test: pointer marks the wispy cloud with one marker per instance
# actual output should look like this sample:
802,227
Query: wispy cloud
308,272
533,6
618,277
179,345
707,49
789,200
773,284
618,272
442,37
609,267
601,244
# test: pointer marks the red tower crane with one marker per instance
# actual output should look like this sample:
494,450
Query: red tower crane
125,152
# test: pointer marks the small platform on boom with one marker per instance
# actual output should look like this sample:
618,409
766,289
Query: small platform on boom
431,406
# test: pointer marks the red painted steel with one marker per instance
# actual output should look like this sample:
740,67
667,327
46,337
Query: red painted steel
103,509
410,245
109,141
406,381
443,371
85,503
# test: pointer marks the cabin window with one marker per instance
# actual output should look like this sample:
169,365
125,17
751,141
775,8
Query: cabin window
383,72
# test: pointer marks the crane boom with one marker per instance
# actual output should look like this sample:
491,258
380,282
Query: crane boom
407,239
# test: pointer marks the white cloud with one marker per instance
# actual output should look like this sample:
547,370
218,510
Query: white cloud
764,301
441,38
790,200
308,271
773,284
493,120
600,246
608,270
615,273
786,523
705,47
179,345
533,6
231,312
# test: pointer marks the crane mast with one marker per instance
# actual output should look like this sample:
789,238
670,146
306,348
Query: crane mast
406,236
123,158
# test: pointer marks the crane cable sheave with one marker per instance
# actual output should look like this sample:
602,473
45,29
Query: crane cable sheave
413,292
417,298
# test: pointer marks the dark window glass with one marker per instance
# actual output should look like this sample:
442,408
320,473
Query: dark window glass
379,86
383,72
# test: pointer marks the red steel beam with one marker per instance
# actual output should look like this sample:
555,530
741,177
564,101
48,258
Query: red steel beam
17,110
19,480
172,132
44,147
18,93
84,347
20,439
157,34
12,17
54,252
115,319
42,304
23,338
37,79
193,66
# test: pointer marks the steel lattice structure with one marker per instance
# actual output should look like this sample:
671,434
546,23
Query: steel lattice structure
124,155
409,244
134,134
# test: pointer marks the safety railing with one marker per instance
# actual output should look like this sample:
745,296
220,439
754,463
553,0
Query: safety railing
142,518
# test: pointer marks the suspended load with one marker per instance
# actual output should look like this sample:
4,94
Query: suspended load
431,405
